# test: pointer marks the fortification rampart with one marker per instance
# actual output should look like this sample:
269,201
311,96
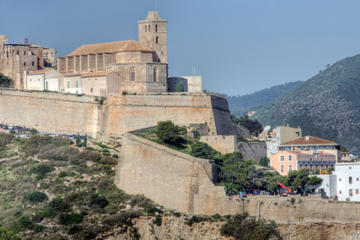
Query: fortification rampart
171,178
65,113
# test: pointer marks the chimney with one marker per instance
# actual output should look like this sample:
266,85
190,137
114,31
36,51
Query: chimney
307,138
26,41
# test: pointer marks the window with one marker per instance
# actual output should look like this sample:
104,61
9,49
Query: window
282,158
46,85
339,179
91,90
290,158
149,28
155,74
290,168
77,84
132,74
157,40
155,27
32,63
357,191
350,192
68,84
282,168
24,63
145,28
350,180
298,134
340,192
357,179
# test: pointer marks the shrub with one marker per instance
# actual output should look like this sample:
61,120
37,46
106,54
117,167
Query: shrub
59,205
33,131
25,222
121,219
35,197
63,153
115,156
241,227
195,219
98,201
41,170
39,228
5,234
157,220
33,144
169,133
70,219
202,150
63,174
75,229
179,87
5,139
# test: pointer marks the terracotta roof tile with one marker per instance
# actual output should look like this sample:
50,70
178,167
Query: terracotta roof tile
110,47
310,140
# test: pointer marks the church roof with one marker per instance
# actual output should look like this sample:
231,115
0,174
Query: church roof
309,140
110,47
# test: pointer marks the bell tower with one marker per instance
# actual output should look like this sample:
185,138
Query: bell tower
153,34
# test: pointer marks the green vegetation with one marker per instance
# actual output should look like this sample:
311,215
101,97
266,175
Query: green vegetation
52,190
236,174
326,105
243,227
179,87
253,126
240,105
6,82
264,161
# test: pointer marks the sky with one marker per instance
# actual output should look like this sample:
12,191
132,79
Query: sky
237,46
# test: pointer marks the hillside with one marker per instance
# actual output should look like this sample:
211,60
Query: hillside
244,103
327,105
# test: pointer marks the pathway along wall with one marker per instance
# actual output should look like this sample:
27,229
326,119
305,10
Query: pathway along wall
66,113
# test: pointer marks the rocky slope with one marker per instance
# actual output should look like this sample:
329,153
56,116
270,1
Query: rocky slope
327,105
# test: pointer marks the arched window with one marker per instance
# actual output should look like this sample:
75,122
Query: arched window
155,74
155,27
157,40
132,74
149,28
145,28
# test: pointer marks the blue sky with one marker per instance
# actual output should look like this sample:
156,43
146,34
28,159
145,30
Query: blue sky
237,46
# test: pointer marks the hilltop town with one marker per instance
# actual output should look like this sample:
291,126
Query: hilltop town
112,107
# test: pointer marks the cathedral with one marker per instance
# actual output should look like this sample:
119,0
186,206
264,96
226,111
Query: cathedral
102,69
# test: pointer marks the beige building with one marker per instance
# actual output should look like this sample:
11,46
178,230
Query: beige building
18,59
120,67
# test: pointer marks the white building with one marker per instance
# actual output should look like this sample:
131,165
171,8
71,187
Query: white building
348,181
328,185
48,79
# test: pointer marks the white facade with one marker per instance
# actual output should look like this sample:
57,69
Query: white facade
35,81
52,84
328,185
348,181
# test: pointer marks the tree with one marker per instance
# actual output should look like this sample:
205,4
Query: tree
179,87
253,126
6,82
169,133
297,180
264,161
202,150
314,180
85,140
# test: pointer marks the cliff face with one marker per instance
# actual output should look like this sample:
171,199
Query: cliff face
327,105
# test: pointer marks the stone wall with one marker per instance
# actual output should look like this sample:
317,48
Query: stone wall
313,209
65,113
222,143
172,179
252,150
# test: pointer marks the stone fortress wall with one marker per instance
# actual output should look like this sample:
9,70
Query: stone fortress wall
71,114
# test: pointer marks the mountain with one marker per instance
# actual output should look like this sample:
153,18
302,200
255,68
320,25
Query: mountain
327,105
244,103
